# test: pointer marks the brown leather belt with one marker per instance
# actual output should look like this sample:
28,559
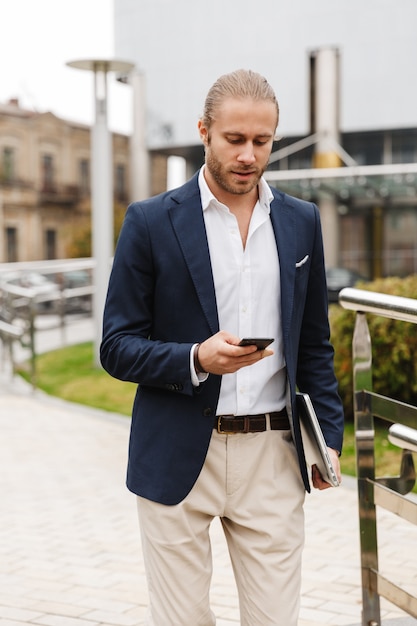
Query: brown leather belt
230,424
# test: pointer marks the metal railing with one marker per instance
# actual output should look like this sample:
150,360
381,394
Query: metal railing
386,492
21,307
9,334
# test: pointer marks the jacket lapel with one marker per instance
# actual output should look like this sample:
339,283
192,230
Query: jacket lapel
283,223
188,223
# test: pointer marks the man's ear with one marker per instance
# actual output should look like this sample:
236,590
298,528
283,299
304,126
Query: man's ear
203,132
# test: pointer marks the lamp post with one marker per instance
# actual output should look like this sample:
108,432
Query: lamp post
101,184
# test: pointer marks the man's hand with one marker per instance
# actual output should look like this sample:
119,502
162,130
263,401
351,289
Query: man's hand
317,479
221,354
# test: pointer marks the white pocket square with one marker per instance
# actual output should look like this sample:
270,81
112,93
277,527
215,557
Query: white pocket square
300,263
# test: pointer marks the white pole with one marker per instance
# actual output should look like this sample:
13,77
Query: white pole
102,203
101,186
327,98
326,125
140,184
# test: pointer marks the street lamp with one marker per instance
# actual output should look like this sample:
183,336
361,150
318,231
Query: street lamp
101,184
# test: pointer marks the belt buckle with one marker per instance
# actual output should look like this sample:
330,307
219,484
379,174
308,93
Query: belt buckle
219,428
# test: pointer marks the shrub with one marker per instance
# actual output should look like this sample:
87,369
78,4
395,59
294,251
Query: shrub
394,346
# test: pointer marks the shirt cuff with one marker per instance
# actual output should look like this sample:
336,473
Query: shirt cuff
196,379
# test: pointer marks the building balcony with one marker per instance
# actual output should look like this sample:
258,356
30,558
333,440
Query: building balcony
7,182
65,195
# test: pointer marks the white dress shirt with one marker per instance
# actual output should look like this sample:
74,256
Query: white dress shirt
248,295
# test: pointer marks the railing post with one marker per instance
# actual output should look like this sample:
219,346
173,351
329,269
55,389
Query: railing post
32,341
365,458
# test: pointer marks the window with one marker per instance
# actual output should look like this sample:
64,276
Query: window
400,236
366,148
84,173
50,244
47,172
120,183
404,147
11,245
8,165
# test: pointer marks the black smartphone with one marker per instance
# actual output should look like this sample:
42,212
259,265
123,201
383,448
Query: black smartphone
260,342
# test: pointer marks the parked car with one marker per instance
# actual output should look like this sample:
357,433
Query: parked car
77,288
338,278
46,291
78,280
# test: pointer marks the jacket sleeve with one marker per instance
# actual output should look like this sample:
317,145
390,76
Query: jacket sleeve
131,349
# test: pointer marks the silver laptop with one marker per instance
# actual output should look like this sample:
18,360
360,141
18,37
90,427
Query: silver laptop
315,448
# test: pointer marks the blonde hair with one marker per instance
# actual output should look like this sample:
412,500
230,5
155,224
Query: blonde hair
238,84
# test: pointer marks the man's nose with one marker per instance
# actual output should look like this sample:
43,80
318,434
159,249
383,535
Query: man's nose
247,154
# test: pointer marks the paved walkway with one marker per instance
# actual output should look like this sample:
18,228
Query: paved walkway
69,542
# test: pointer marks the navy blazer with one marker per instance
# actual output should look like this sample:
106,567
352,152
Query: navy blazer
161,300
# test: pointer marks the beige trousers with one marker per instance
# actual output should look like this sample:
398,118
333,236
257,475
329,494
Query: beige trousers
252,483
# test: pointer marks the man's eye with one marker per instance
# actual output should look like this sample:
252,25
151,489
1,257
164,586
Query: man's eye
241,140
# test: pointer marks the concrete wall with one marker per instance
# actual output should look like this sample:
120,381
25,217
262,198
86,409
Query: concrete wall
183,46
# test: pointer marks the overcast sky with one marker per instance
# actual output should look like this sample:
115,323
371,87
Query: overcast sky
38,37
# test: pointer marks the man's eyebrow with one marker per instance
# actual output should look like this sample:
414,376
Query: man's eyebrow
239,134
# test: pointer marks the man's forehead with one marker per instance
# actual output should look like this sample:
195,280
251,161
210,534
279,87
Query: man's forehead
238,113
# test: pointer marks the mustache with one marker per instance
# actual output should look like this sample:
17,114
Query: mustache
245,168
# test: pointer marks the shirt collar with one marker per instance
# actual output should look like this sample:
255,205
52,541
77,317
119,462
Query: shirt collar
265,194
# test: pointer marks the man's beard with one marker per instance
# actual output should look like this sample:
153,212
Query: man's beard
222,177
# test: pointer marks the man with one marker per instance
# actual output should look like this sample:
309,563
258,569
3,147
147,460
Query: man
215,430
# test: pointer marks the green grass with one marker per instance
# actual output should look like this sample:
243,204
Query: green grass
387,456
69,373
